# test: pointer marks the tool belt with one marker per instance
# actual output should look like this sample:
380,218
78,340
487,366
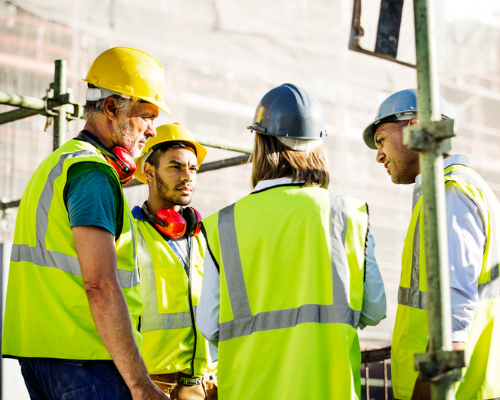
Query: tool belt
167,382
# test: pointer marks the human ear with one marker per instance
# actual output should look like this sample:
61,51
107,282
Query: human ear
149,172
109,108
413,121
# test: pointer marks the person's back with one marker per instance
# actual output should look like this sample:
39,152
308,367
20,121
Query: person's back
286,317
290,287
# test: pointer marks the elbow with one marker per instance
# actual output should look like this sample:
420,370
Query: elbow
96,289
209,333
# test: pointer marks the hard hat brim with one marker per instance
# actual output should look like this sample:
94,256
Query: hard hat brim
161,104
201,153
369,135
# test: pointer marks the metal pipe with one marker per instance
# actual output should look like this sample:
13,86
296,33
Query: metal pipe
229,162
29,106
14,115
377,355
211,166
436,244
60,121
367,383
222,144
386,392
32,103
431,167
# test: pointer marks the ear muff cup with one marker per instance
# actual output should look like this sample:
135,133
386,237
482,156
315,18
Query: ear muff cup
125,174
118,157
174,225
193,219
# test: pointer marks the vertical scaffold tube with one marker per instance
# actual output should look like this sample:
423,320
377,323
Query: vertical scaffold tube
431,167
60,121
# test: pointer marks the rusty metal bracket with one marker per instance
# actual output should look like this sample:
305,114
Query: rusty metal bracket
446,365
437,134
357,32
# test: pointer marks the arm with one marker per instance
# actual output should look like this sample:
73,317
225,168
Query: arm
374,303
466,241
207,314
97,256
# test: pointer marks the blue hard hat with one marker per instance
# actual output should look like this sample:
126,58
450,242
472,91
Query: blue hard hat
290,111
400,106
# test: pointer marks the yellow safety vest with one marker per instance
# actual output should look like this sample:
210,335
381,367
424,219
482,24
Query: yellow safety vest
47,312
482,349
170,301
291,263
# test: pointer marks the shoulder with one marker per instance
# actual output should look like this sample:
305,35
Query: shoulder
138,214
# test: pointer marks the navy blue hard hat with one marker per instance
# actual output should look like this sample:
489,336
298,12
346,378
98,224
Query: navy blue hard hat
290,111
400,106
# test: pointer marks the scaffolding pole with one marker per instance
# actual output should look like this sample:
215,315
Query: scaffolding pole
431,138
60,119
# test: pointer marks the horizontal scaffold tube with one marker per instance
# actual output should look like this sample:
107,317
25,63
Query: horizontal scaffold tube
221,144
29,106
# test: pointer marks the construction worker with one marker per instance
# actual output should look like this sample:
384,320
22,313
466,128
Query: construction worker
73,300
472,213
290,272
171,251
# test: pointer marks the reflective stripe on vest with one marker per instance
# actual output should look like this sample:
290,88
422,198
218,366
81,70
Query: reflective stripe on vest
244,323
491,289
412,296
42,257
152,320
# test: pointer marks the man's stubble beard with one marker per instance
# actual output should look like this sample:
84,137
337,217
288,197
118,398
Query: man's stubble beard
162,188
123,136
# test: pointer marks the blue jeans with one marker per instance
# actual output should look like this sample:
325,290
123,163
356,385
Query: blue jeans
48,379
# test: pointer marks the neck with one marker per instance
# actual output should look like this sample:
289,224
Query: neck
154,204
101,131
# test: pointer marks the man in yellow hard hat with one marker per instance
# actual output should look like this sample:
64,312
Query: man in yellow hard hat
171,257
73,298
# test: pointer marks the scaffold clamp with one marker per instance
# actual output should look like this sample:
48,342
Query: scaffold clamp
435,135
441,365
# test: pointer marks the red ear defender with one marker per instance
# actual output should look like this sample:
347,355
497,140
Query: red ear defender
174,225
124,164
170,222
119,158
195,230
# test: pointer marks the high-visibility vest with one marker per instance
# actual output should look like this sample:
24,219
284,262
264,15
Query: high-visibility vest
482,349
170,301
47,312
291,263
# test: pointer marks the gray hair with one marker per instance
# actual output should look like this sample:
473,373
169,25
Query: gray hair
92,108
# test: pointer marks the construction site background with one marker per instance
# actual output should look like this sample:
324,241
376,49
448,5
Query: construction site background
220,57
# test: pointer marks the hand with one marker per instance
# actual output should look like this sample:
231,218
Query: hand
149,392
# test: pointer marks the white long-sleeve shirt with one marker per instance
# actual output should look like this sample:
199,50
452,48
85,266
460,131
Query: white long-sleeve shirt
466,241
207,316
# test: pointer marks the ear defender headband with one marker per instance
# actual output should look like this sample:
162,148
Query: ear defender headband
173,224
119,158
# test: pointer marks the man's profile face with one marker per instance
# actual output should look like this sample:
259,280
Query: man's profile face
175,177
135,127
401,163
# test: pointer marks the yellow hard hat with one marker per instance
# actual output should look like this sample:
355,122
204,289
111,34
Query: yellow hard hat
167,133
131,72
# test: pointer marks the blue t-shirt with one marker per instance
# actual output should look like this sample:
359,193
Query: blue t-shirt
93,197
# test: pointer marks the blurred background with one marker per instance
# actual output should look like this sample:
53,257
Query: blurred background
220,57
